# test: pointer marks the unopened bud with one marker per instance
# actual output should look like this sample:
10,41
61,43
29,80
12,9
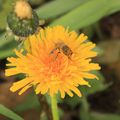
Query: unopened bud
23,9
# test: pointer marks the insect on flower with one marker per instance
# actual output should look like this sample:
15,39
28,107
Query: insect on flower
47,65
62,48
23,21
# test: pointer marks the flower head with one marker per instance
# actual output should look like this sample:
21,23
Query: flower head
59,61
23,9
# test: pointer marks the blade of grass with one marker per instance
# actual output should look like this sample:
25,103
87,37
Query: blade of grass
88,13
8,113
6,6
55,8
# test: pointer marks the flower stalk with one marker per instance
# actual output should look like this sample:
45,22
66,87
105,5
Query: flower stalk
54,108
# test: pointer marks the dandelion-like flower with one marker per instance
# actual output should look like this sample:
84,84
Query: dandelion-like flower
59,61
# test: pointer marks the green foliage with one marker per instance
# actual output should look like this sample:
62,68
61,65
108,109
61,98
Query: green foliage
31,101
56,8
7,46
89,31
96,85
77,14
5,7
88,13
84,111
36,2
100,116
5,39
8,113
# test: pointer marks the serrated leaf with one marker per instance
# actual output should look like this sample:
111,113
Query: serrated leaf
9,113
56,8
88,13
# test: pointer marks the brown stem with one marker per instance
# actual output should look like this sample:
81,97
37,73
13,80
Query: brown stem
45,107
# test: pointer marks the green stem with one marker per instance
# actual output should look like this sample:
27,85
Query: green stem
84,109
54,108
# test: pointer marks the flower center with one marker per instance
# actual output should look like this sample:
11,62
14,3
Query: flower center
53,61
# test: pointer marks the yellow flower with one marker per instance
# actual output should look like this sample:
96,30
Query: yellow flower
59,61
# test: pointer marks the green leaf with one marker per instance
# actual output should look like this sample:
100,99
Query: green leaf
88,13
5,8
56,8
8,113
89,31
5,39
84,110
72,101
31,101
7,45
8,49
6,53
100,116
96,85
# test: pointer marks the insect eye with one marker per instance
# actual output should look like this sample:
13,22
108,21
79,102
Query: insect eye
65,48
